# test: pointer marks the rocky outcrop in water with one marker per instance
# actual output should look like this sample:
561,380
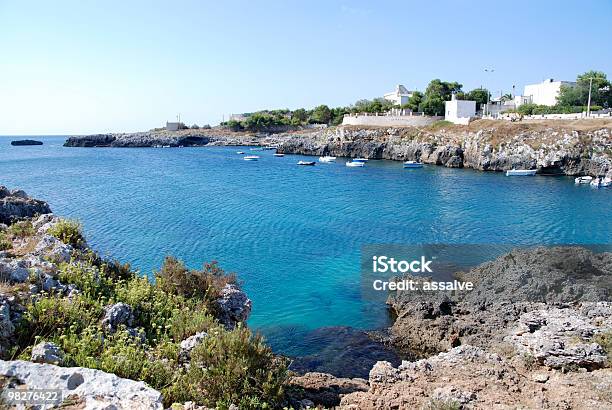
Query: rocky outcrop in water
17,204
484,145
25,142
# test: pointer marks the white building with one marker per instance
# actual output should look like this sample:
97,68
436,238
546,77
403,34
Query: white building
459,111
400,96
544,93
173,126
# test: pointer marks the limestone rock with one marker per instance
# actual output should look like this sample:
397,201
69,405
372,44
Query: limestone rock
561,338
53,249
322,389
17,204
234,306
95,389
116,315
47,352
188,344
6,326
14,270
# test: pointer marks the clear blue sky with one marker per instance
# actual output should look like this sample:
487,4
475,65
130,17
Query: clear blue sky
72,67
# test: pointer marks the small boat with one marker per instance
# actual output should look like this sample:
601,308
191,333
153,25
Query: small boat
413,164
327,159
251,158
279,155
306,163
520,172
355,164
360,159
240,152
583,180
601,182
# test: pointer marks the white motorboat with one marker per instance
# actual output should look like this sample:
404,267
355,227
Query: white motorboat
583,180
327,159
520,172
413,164
240,152
360,159
355,164
601,182
279,155
306,163
251,158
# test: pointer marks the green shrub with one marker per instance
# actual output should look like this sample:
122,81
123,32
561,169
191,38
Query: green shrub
5,242
21,229
52,316
605,341
69,232
235,367
205,284
89,279
187,322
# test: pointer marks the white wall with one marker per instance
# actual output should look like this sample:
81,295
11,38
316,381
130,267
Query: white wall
388,120
546,92
459,111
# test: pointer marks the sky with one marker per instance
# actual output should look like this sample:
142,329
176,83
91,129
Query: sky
80,67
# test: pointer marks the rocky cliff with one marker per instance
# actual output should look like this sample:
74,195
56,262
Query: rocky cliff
570,148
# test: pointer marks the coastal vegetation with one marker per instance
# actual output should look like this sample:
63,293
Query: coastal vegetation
79,307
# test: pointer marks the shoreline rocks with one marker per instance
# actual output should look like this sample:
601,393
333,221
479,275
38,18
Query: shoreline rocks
498,147
17,204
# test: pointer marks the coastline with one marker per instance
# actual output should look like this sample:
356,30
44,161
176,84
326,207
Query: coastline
565,148
558,337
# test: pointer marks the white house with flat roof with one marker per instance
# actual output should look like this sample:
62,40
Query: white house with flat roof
400,96
459,111
544,93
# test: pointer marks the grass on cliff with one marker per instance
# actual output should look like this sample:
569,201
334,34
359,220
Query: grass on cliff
230,366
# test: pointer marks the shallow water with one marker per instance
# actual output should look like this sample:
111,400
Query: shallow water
293,234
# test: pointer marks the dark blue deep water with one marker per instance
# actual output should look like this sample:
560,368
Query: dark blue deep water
293,234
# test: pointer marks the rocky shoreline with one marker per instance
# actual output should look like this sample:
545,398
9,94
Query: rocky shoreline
564,148
483,145
536,332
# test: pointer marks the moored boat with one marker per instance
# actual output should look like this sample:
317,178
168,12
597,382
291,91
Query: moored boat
327,159
360,159
583,180
251,158
240,152
279,155
355,164
310,163
601,182
520,172
413,164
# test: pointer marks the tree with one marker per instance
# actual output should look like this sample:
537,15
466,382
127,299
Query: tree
578,95
414,101
299,116
480,95
320,115
436,93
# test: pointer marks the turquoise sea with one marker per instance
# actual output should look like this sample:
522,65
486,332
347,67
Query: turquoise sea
293,234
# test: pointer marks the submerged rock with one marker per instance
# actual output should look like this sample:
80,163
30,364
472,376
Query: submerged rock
91,389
